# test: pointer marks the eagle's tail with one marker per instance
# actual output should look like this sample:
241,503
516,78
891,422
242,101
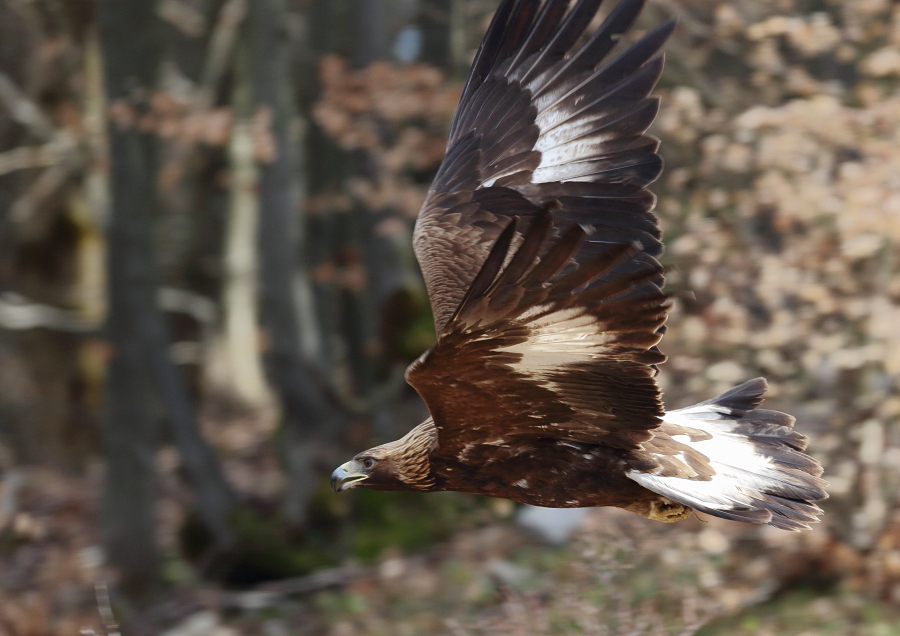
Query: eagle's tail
729,459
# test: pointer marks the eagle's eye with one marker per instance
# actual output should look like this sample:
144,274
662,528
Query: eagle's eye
368,463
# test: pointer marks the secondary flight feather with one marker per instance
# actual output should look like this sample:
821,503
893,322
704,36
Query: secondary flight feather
539,250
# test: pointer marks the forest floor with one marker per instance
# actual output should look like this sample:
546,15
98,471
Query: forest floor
618,575
395,564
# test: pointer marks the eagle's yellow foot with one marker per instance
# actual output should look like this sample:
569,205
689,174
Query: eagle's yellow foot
661,509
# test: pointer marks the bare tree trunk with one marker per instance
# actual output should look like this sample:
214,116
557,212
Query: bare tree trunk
130,54
247,378
141,368
369,30
307,415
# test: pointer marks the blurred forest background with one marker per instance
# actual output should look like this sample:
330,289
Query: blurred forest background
208,298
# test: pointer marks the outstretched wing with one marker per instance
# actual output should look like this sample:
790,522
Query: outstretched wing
538,351
542,118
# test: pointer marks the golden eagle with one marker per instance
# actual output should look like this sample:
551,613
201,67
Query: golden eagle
539,246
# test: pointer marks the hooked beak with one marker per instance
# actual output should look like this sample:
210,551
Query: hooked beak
346,476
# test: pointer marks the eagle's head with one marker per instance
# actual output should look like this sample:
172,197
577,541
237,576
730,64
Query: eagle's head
401,465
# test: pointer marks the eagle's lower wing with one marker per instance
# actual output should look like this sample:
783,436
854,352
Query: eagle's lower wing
536,351
543,118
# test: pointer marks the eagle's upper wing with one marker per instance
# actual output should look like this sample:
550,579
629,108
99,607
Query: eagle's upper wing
543,118
535,351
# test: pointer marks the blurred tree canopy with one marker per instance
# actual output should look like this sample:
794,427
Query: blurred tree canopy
208,294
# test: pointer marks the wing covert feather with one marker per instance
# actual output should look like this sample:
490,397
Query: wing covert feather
538,350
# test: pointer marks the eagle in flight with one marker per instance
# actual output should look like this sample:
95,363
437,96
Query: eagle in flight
539,250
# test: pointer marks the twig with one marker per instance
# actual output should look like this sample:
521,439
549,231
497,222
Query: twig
198,307
25,157
17,313
184,602
24,211
685,18
330,577
64,156
270,594
221,45
12,483
183,17
24,111
104,608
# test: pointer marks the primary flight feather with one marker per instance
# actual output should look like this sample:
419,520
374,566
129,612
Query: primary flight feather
538,245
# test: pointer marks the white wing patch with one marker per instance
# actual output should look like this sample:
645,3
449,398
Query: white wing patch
568,160
569,143
560,338
568,151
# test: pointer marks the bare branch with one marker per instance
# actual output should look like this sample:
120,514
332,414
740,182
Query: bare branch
24,111
183,17
17,312
186,601
12,483
104,608
63,157
221,45
685,18
26,209
200,308
25,157
270,594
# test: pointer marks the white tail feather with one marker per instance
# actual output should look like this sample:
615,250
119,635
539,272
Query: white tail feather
760,474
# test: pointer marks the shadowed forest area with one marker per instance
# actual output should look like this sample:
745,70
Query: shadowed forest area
208,297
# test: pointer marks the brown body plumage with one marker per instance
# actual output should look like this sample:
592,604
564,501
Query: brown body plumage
539,247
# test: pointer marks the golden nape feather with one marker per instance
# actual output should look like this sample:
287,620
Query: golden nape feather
539,250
